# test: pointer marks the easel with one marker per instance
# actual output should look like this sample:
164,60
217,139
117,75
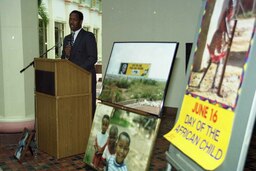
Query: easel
24,145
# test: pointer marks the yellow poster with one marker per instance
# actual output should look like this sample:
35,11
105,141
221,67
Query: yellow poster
134,69
202,132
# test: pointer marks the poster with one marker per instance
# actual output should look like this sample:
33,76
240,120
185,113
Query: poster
220,75
137,75
202,132
205,122
134,69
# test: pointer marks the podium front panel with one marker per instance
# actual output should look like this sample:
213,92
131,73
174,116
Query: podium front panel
74,124
45,82
46,123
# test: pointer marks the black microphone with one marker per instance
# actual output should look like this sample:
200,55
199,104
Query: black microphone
70,42
58,45
71,38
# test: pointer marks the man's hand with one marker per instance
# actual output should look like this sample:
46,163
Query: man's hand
67,50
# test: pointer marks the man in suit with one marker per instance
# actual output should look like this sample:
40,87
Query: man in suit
80,48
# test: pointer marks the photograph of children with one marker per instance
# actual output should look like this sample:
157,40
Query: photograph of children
22,144
126,132
137,75
221,54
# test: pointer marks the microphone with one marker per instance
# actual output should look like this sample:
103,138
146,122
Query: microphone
71,38
58,45
70,42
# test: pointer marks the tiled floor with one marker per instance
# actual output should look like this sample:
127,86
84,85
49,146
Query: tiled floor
45,162
41,162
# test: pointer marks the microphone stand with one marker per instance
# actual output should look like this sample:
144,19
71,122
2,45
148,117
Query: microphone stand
32,63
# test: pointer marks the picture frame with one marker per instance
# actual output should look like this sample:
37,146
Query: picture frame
137,75
188,50
140,129
24,144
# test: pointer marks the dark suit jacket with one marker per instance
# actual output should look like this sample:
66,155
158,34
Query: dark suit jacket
84,54
84,50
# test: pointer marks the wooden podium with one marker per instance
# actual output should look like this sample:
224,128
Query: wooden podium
63,103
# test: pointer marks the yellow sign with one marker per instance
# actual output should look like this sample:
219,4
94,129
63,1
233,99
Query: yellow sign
134,69
202,132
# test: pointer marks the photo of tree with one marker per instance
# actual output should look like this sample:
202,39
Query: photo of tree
137,75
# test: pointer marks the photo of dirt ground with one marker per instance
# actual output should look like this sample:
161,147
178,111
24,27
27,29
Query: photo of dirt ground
233,72
137,93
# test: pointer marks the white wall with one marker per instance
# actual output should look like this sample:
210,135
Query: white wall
151,20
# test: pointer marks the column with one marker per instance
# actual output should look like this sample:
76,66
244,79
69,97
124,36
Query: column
19,45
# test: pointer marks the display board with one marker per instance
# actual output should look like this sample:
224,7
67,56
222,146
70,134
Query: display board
126,135
216,83
137,75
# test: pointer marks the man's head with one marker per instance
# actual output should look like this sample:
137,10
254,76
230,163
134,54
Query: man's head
75,20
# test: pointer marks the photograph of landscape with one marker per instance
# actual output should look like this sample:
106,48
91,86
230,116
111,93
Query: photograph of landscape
137,75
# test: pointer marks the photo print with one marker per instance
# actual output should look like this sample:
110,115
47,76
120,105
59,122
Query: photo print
221,55
137,75
116,137
23,143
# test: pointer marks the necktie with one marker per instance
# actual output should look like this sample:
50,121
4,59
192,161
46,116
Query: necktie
72,38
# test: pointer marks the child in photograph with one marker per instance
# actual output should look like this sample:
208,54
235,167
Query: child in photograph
100,143
110,148
116,163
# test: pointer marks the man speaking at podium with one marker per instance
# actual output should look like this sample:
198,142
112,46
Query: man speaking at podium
80,48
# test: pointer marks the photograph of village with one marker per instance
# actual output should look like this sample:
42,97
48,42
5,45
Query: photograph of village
137,75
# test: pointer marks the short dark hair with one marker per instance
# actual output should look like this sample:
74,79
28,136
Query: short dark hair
113,129
105,117
80,14
126,135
